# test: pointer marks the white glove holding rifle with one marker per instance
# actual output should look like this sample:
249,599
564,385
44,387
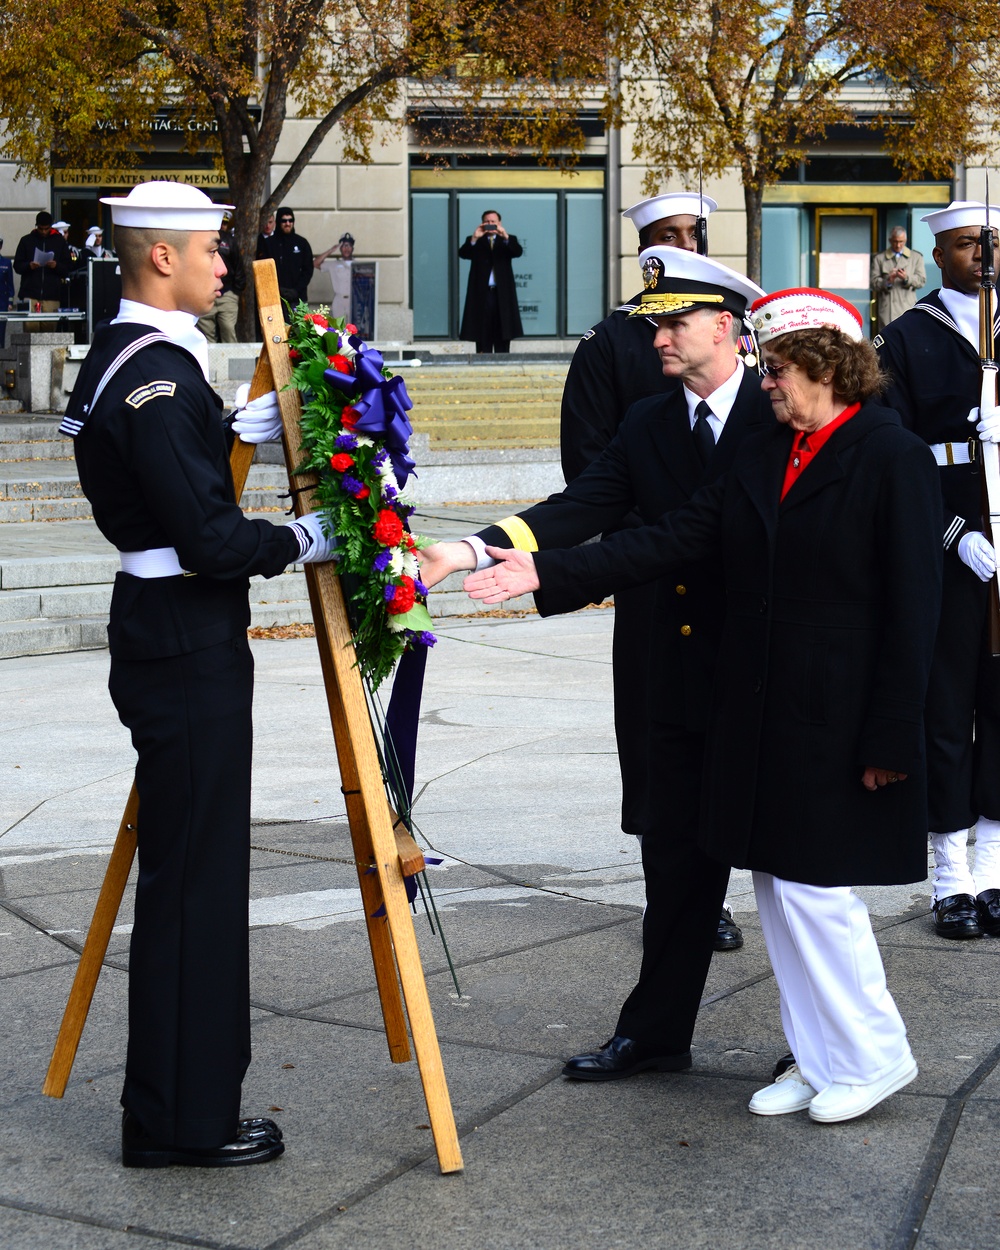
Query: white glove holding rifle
976,551
257,420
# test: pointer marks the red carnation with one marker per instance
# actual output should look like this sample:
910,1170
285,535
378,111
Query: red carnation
293,354
349,418
341,462
404,598
411,544
349,329
363,493
388,529
340,363
317,320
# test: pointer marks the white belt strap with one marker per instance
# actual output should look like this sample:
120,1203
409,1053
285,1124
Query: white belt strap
954,453
156,562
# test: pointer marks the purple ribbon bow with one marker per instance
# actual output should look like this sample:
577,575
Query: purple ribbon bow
381,408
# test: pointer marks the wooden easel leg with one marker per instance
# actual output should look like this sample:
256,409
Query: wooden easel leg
95,948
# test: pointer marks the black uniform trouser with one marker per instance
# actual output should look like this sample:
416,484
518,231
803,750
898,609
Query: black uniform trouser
962,714
685,890
189,983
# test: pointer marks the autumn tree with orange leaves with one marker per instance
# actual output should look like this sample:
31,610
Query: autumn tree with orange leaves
754,83
81,79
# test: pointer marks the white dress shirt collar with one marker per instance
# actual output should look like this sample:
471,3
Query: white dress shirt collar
180,327
720,401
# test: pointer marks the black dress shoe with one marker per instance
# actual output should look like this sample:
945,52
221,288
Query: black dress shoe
783,1064
729,935
957,916
254,1144
988,907
623,1057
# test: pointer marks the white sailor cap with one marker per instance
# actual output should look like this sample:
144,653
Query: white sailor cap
672,205
166,206
60,225
804,308
961,213
676,281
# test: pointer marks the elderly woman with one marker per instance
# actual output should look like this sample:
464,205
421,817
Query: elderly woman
829,528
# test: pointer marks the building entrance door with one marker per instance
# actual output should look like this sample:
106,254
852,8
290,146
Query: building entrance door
845,240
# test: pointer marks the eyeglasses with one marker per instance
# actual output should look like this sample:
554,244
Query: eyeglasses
775,371
286,221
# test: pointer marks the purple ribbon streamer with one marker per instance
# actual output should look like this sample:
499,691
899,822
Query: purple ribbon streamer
381,408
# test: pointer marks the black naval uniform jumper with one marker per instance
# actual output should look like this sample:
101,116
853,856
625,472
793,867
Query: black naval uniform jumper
153,461
615,365
935,380
651,467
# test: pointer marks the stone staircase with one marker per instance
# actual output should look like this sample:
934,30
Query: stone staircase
469,407
486,436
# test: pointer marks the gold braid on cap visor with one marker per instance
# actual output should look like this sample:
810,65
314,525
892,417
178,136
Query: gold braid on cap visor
668,302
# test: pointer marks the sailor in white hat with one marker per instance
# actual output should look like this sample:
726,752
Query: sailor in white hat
668,446
153,460
932,355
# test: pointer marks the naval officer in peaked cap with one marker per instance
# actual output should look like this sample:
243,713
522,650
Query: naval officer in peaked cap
153,461
666,449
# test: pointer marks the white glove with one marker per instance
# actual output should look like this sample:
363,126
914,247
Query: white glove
316,546
975,550
258,421
989,424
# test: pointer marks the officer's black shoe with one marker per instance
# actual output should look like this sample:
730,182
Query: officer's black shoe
988,906
254,1144
623,1057
783,1064
729,935
957,916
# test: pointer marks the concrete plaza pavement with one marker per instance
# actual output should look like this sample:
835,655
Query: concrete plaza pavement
540,897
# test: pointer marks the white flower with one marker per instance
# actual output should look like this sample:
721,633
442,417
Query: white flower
395,623
345,349
410,565
364,440
396,562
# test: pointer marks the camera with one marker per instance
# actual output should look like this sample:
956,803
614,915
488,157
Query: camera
490,227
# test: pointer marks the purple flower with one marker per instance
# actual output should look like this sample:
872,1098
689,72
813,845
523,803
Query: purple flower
389,493
389,593
345,442
379,458
426,638
351,484
381,561
420,588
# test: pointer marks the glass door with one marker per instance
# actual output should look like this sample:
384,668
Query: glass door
845,241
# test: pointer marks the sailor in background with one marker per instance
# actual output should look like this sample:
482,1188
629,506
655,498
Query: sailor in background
932,355
614,366
153,461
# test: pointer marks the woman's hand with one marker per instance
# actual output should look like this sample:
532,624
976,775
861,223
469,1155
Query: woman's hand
440,559
513,574
873,778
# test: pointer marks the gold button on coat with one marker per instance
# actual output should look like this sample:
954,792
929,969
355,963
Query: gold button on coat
681,590
686,630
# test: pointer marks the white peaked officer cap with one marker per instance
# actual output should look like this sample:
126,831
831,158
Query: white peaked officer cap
675,281
804,308
675,204
961,213
166,206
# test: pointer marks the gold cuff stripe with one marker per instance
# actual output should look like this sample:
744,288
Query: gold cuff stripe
519,533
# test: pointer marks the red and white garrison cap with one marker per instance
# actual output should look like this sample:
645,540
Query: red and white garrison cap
804,308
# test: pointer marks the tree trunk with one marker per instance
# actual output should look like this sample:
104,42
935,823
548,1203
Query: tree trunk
753,199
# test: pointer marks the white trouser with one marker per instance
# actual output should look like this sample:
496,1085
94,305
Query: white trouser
839,1017
952,874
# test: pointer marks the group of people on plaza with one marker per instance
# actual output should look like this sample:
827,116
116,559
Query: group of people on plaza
803,682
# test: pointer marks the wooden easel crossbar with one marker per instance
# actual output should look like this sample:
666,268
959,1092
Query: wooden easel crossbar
384,855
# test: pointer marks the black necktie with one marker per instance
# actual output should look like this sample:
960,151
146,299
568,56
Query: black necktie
704,439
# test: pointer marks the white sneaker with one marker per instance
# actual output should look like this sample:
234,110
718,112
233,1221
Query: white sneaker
846,1102
790,1092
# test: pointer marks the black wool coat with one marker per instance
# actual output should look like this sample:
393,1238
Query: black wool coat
833,598
649,468
484,258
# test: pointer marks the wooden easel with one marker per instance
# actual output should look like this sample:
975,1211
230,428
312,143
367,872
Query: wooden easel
384,852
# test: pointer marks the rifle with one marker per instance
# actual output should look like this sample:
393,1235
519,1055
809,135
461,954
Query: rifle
701,223
989,452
